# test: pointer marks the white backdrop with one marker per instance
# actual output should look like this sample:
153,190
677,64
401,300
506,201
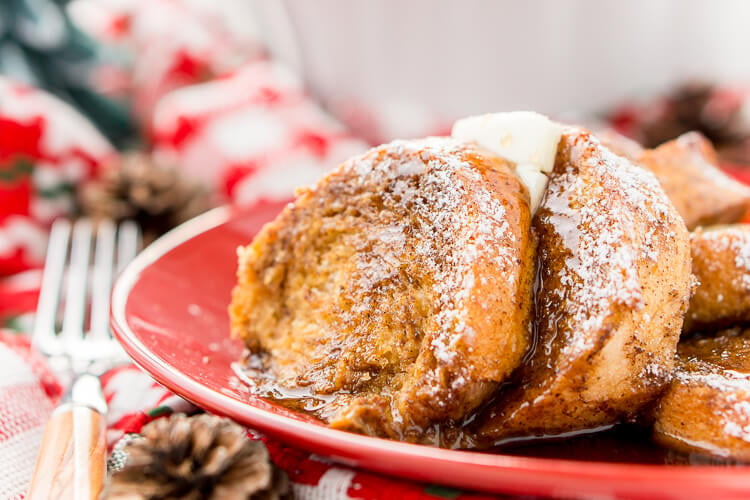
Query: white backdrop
418,62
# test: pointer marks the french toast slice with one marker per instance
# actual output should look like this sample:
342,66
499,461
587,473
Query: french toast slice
613,286
399,287
721,265
706,408
688,170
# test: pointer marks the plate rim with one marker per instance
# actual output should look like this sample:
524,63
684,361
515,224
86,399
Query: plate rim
181,384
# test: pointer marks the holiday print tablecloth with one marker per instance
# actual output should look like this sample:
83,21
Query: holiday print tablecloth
47,149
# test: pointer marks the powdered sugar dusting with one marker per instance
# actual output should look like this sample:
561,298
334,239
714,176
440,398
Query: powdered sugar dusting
712,376
729,390
434,182
736,241
606,213
741,246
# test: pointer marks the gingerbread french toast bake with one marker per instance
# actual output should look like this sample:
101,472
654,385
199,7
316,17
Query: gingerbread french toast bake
517,280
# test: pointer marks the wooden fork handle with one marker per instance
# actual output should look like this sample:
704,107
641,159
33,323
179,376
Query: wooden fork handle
72,459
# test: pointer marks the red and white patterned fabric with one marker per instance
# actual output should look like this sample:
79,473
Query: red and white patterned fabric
46,148
199,41
173,43
253,134
28,393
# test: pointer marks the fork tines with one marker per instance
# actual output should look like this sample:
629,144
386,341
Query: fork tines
82,259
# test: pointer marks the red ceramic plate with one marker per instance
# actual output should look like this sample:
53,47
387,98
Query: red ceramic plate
170,313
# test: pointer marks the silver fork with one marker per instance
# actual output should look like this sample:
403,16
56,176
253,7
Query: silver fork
71,460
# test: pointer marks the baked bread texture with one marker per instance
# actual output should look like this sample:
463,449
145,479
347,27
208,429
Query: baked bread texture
688,170
706,407
398,288
721,265
614,283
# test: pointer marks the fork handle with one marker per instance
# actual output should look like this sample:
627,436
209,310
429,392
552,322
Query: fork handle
72,458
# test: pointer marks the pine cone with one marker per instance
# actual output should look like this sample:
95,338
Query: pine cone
158,198
200,457
695,106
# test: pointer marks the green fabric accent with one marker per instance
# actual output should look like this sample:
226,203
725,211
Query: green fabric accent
61,190
62,61
12,323
21,323
18,169
442,491
159,411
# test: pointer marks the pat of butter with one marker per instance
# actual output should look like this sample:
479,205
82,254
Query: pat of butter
526,138
535,181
